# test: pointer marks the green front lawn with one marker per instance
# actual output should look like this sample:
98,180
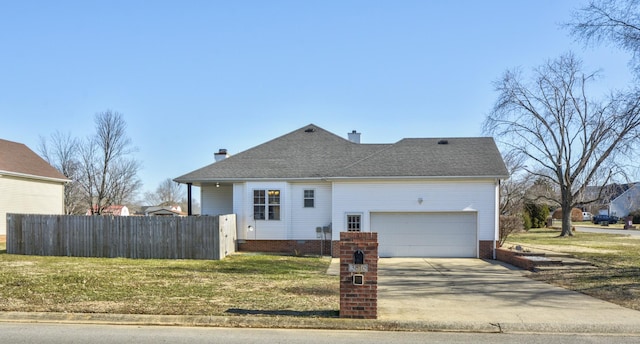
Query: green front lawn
239,284
617,257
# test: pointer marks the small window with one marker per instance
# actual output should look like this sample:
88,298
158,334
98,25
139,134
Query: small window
309,198
353,223
259,203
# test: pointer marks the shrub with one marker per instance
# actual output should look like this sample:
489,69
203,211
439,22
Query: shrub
538,214
526,219
508,225
576,214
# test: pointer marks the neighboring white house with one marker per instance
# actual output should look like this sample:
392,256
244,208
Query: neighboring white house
626,202
426,197
614,199
28,184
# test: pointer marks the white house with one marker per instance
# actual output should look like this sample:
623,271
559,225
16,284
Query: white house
626,202
28,184
426,197
614,199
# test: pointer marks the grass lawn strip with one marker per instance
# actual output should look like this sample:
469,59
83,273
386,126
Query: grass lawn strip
617,257
253,284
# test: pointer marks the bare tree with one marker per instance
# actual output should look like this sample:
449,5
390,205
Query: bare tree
62,152
512,190
167,193
109,174
615,22
566,137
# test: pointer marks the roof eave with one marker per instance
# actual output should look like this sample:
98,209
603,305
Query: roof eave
421,177
197,181
33,176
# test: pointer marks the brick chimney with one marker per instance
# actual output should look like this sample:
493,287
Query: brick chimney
221,155
354,136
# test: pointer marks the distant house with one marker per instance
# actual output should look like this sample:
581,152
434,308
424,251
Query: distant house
168,210
28,184
626,202
425,197
113,210
615,199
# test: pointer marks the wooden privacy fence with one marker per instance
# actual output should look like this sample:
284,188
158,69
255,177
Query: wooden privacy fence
202,237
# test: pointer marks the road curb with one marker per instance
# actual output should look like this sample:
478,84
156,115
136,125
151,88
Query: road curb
309,323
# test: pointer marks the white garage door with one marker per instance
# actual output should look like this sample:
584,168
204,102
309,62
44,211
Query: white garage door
425,234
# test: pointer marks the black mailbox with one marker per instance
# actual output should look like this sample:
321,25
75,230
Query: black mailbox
358,257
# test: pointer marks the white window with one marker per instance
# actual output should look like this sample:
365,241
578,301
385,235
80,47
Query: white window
266,204
259,204
354,222
309,198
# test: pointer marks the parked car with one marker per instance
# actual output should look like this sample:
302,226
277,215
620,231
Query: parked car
586,216
605,218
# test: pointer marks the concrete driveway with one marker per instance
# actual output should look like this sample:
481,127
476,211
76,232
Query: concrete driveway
474,294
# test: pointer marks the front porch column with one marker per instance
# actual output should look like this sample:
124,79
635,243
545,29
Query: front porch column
189,212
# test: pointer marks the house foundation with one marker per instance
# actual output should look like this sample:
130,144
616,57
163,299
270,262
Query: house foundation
486,247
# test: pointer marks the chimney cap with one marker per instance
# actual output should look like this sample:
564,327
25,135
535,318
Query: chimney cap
221,154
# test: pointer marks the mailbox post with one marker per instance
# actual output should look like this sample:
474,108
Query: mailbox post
628,223
359,275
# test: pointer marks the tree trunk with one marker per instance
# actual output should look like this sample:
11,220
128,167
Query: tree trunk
566,218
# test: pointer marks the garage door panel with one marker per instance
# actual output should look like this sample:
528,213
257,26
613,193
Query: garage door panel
419,251
420,240
425,234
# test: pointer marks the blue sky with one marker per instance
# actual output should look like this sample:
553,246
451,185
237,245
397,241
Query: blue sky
191,77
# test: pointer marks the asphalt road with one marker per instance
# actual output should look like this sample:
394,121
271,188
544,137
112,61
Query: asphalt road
604,229
22,333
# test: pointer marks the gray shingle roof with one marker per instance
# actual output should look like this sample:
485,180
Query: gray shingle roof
312,152
16,158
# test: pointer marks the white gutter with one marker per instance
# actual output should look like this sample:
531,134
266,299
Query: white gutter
32,176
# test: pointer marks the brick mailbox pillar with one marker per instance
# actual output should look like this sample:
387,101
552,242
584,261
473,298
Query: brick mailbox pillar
359,275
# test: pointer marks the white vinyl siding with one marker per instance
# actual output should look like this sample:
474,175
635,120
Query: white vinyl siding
216,200
29,196
296,222
240,208
305,220
477,196
262,229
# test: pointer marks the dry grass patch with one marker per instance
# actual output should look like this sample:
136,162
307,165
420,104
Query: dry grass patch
617,258
257,284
